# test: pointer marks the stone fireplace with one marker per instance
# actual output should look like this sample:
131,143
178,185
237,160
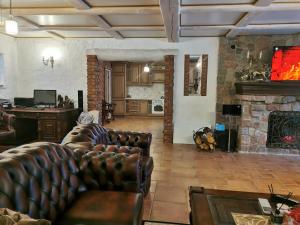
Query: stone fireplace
269,124
284,130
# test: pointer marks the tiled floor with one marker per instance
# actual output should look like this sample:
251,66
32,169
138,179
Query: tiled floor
178,166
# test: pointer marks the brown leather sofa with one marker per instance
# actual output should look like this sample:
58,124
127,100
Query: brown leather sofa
85,138
7,128
44,180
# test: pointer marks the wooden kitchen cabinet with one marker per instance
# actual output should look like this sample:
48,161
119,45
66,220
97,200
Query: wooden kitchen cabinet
119,87
136,75
119,107
133,74
138,106
158,77
144,107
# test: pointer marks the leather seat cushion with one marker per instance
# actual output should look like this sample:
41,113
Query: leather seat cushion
104,208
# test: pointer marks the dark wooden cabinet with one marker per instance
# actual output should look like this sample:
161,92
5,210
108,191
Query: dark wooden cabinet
51,124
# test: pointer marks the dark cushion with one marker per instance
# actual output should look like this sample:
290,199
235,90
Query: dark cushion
104,208
111,171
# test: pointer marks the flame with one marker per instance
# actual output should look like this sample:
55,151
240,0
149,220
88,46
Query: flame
288,139
286,64
293,73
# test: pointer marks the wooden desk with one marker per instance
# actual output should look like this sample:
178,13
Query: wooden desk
49,124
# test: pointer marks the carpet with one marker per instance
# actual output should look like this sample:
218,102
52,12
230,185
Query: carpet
160,223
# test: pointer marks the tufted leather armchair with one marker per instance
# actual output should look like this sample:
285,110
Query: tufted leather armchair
7,128
92,137
93,134
44,180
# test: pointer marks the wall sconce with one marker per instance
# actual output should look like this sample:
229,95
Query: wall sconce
49,55
46,61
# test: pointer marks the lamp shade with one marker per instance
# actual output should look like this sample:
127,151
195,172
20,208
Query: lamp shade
11,27
146,68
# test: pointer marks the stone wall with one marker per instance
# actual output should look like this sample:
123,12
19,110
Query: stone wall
254,121
232,56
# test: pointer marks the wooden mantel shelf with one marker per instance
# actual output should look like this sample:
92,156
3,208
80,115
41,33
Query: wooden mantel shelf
286,88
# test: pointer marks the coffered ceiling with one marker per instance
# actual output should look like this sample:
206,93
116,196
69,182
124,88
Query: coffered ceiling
169,19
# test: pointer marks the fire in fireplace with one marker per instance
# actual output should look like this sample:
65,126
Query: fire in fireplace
284,130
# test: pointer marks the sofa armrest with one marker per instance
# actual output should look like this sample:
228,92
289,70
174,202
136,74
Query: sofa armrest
132,139
111,171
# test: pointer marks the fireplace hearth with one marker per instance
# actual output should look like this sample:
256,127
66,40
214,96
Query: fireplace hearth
269,124
284,130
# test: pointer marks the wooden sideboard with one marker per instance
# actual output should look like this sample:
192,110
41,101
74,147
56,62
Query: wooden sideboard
49,124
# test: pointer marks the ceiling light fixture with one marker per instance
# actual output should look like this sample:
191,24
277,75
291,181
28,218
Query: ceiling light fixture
11,26
146,68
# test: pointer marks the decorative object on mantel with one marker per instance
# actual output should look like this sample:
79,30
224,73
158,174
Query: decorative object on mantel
254,69
204,139
65,103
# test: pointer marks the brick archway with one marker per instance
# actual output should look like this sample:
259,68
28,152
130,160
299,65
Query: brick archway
96,91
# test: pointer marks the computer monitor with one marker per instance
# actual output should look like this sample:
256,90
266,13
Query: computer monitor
45,97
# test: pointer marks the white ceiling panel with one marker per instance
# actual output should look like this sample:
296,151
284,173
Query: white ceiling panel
133,34
215,2
199,33
37,34
277,17
123,20
61,20
78,34
269,31
211,18
35,3
120,3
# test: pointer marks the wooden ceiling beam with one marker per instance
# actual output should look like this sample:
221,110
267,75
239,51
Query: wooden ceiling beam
248,18
248,27
242,8
97,19
38,27
83,28
170,13
124,10
80,4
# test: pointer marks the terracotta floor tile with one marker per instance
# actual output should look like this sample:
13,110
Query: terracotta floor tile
178,166
167,193
169,212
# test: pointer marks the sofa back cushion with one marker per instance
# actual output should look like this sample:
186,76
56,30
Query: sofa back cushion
39,179
111,171
92,133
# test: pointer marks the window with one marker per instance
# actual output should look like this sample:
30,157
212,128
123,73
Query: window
1,70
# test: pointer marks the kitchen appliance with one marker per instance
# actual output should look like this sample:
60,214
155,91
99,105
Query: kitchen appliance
158,106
